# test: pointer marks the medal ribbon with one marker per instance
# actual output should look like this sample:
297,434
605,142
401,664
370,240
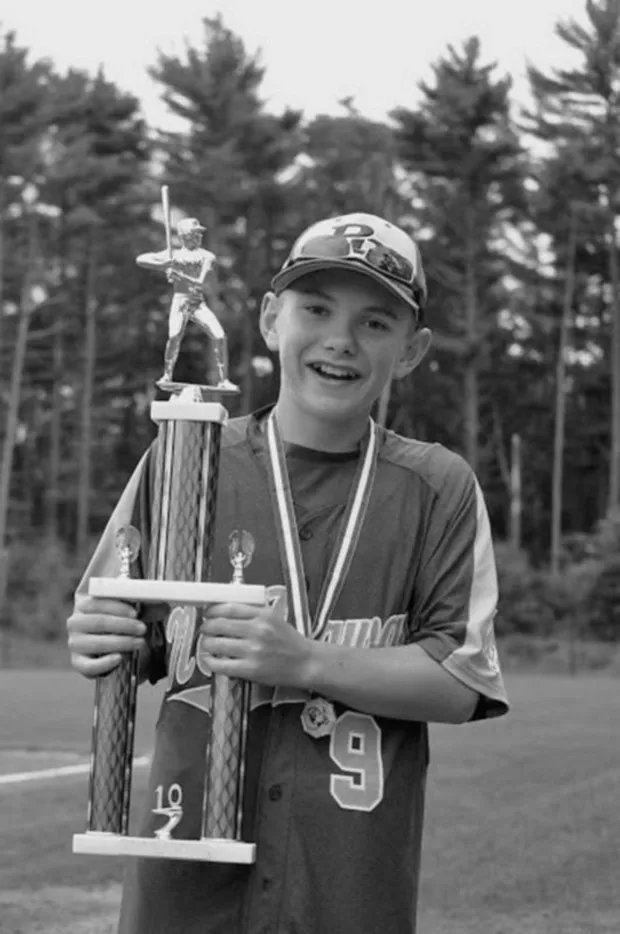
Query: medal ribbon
288,538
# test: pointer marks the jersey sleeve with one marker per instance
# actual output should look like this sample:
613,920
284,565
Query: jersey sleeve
455,597
133,508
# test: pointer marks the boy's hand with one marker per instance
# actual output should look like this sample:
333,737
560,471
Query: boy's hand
255,643
99,632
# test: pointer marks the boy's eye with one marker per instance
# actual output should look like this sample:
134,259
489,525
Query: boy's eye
316,309
377,324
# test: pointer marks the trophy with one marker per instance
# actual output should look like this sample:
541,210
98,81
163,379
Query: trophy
183,517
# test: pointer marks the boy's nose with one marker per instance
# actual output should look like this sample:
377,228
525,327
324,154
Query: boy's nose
340,340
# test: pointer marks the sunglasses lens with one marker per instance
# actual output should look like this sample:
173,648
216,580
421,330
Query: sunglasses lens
325,248
368,251
391,263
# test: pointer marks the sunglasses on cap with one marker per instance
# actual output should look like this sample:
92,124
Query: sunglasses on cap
363,249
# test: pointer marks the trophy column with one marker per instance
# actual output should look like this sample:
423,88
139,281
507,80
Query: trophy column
183,516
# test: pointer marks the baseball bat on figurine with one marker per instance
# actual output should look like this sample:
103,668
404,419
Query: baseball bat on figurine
165,203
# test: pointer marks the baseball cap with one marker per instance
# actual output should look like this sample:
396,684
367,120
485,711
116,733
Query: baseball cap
365,243
189,225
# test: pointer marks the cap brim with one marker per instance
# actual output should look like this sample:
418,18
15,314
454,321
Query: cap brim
284,279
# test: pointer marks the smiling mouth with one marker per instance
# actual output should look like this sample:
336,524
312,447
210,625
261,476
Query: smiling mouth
339,374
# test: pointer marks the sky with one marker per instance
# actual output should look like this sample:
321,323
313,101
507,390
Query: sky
314,52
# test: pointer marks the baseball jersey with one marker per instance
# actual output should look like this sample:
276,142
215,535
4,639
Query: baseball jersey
337,820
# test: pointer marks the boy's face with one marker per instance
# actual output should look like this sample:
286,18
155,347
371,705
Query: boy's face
340,337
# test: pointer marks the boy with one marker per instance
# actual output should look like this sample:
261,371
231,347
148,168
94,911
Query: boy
385,622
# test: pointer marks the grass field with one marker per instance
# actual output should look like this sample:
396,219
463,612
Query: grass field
522,831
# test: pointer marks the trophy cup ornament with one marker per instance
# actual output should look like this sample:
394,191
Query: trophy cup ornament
127,548
241,547
183,518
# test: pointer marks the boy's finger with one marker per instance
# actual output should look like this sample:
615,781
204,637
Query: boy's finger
96,623
95,667
221,646
91,645
230,611
105,607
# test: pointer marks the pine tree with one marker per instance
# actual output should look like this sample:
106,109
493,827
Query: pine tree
226,168
97,152
464,160
579,109
23,88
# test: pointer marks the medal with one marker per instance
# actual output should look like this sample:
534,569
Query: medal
318,716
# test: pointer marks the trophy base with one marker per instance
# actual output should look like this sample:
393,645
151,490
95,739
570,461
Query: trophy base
192,593
95,843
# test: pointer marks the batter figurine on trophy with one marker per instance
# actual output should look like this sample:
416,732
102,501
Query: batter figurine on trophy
187,269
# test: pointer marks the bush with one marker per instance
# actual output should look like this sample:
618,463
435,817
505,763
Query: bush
42,576
522,606
535,602
604,610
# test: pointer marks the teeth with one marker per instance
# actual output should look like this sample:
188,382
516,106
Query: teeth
327,370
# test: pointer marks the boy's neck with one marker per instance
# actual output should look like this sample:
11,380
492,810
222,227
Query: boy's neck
297,427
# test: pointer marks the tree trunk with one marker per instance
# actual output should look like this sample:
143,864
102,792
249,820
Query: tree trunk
1,266
53,493
515,491
502,460
471,402
560,399
254,222
614,365
8,447
53,489
83,504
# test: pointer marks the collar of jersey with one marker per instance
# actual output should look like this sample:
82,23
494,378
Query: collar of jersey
297,451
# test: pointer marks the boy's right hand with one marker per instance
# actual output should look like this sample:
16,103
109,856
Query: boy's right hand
100,631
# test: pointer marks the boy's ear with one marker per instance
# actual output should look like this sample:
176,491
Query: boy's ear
268,316
414,353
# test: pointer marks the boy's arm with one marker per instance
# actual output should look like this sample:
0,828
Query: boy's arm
450,672
402,682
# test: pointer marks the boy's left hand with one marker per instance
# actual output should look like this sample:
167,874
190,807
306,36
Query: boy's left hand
256,644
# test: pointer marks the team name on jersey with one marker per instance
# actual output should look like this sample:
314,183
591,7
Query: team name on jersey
188,661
